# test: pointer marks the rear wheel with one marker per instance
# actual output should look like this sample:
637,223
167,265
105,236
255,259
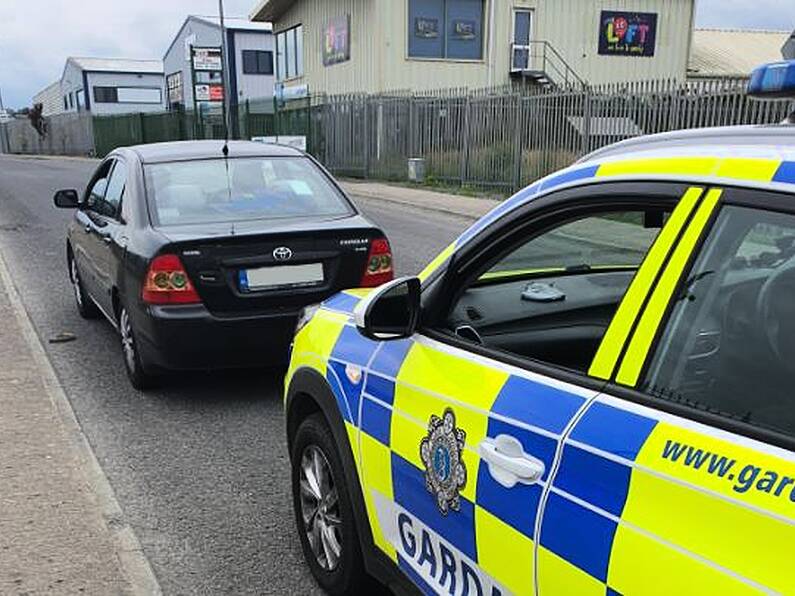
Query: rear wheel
323,510
138,374
85,305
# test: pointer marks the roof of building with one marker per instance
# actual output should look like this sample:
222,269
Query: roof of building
270,10
193,150
733,52
236,23
118,65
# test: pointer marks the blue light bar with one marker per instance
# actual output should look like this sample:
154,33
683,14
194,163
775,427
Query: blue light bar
773,80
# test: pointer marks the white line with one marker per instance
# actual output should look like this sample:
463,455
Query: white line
663,541
132,560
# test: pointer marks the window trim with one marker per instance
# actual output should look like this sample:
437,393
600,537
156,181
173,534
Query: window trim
737,196
277,53
118,162
558,206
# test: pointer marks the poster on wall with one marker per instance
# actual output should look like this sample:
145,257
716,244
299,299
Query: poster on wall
627,33
337,41
426,28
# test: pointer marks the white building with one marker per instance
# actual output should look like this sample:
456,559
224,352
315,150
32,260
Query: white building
250,48
112,86
50,98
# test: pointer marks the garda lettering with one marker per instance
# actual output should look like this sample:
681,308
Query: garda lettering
442,566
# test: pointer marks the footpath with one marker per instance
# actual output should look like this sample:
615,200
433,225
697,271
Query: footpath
61,529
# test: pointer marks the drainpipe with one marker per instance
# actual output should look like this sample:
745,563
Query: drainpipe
492,33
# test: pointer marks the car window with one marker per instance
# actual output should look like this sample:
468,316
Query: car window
115,190
728,345
95,197
552,296
240,189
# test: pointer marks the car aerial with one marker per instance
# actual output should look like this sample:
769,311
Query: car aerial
203,253
589,392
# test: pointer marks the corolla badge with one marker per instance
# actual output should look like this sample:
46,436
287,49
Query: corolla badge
282,253
441,451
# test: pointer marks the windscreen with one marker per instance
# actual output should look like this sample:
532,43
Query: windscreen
240,189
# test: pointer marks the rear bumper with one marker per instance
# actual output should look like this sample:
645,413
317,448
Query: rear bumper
192,338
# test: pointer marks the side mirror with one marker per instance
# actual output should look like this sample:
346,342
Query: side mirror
391,311
67,199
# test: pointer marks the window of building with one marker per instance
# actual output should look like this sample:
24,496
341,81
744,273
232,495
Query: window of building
727,347
175,89
71,100
65,103
79,99
257,62
150,95
290,53
446,29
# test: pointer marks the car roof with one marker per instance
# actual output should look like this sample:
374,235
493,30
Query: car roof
195,150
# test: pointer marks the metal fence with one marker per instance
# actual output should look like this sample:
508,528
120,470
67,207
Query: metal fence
505,140
497,139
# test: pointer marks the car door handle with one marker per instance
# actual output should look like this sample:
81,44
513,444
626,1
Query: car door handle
87,229
508,463
107,239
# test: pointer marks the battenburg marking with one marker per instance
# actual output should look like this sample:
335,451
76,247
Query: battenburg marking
445,472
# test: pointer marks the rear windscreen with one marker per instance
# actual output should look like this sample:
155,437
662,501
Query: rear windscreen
227,190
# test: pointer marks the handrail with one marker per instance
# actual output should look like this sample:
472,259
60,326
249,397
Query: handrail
551,60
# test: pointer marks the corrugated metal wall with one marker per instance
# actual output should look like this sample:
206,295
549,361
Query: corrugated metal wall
379,33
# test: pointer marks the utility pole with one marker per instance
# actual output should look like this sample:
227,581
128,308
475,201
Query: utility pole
2,108
227,106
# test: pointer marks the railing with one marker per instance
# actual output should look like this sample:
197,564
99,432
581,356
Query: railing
542,57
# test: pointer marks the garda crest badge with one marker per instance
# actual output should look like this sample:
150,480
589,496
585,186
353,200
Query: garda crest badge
445,472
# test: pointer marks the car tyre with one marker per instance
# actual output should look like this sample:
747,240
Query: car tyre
138,373
85,305
324,511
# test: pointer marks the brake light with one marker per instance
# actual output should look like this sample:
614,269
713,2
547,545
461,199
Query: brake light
378,269
167,282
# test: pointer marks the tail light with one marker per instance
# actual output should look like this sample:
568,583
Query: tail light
167,282
378,269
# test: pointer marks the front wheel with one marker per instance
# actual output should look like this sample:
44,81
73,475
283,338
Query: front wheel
85,305
323,510
133,363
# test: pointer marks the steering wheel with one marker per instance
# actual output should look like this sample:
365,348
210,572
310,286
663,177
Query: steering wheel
775,309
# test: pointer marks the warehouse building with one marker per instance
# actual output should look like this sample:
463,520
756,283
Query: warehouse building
731,53
250,50
50,98
342,46
112,85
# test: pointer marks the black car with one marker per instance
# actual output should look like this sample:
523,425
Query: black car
203,254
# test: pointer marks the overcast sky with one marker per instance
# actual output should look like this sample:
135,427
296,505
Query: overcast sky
36,36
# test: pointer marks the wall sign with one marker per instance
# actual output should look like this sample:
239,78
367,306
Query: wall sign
207,59
337,41
627,33
426,28
464,29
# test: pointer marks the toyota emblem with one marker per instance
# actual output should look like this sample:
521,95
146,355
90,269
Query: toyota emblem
282,254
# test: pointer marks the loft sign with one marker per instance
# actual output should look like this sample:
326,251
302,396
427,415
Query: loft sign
627,33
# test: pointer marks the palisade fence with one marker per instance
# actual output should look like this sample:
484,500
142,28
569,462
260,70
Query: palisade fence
497,139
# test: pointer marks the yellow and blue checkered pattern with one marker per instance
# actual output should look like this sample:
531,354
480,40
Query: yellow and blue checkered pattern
618,519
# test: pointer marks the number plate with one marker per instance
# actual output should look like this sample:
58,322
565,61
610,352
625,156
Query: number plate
266,278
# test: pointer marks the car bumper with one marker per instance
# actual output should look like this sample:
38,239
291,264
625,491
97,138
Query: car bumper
192,338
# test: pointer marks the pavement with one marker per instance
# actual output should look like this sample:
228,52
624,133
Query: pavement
61,528
198,468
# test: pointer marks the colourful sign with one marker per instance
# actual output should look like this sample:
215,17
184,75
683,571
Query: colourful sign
337,41
627,33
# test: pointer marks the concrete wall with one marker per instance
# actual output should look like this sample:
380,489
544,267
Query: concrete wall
379,44
68,134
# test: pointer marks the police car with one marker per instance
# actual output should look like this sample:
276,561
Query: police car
590,392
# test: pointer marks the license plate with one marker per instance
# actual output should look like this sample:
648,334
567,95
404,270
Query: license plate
276,277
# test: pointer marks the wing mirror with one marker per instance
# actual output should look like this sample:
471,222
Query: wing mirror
67,199
391,311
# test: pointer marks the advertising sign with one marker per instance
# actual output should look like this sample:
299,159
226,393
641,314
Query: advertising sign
464,29
209,92
425,28
207,59
627,33
337,41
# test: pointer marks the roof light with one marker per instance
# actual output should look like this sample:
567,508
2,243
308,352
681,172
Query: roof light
774,80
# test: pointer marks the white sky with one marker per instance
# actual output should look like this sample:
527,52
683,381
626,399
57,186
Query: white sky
36,36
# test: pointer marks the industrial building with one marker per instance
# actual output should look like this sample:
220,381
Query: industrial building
250,51
105,86
343,46
730,53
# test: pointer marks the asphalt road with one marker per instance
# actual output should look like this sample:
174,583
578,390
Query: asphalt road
200,466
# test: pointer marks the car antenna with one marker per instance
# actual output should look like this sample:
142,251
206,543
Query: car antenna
224,74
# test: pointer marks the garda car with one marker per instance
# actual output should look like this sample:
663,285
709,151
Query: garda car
589,392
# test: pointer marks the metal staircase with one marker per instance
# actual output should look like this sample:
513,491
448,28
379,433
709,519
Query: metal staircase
540,63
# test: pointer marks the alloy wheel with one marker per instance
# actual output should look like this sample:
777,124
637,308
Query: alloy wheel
127,341
76,282
320,508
